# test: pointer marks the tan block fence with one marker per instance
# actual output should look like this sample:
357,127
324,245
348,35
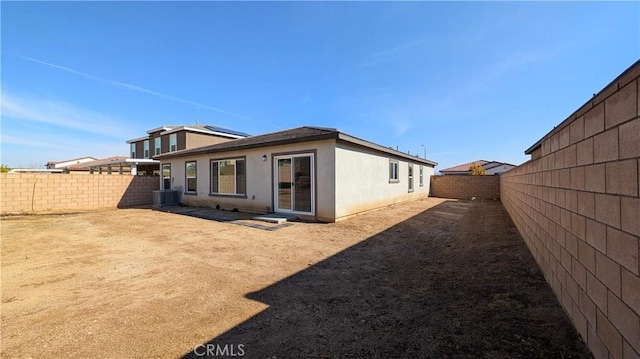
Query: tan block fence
576,204
577,207
465,187
44,192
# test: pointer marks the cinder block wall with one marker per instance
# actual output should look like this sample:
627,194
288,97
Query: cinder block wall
578,209
20,193
465,187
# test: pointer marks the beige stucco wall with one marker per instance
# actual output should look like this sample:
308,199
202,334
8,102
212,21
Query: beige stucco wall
200,139
259,178
363,180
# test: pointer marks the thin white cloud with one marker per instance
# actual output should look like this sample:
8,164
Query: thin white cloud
384,55
18,150
132,87
68,143
6,139
462,103
399,48
62,115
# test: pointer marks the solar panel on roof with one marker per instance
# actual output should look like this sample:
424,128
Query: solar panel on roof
226,130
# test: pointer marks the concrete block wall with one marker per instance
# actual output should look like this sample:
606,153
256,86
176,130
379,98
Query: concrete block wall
578,209
465,187
32,193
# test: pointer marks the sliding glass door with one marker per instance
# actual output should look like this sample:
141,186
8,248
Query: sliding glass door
294,183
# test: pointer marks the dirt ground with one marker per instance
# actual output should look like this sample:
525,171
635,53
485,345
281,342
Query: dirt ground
431,278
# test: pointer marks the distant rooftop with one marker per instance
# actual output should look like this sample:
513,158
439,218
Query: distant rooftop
463,168
226,130
85,158
212,128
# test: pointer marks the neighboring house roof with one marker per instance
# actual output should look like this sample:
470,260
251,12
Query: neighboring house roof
464,167
85,158
207,129
493,164
85,165
533,147
212,130
295,135
162,128
226,130
37,170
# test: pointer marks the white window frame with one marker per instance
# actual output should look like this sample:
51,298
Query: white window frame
421,176
410,176
186,177
165,178
146,148
394,171
133,150
173,142
157,144
235,176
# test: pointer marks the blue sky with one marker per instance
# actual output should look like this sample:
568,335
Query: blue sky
468,80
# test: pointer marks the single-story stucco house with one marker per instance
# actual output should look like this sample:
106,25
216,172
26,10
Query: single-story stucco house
314,173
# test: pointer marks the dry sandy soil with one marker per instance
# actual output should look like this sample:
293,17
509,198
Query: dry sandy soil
431,278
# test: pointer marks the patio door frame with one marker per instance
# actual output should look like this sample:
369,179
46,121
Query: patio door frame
275,174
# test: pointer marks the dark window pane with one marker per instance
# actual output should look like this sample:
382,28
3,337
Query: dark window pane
191,184
191,176
240,177
214,177
302,183
226,182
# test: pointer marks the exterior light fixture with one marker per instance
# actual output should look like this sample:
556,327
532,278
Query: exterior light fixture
264,158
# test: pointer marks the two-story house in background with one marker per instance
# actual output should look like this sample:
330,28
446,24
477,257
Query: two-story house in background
175,138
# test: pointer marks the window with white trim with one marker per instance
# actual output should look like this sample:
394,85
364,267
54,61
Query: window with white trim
228,176
394,167
191,174
166,176
173,142
157,145
146,148
133,150
410,176
421,176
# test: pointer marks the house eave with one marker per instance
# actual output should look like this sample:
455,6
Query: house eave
196,151
198,130
386,150
138,139
339,136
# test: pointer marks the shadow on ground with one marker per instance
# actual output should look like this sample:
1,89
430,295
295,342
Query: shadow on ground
218,215
453,281
225,216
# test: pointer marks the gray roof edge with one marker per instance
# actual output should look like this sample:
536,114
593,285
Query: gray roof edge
331,134
199,130
534,147
374,146
138,139
208,149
